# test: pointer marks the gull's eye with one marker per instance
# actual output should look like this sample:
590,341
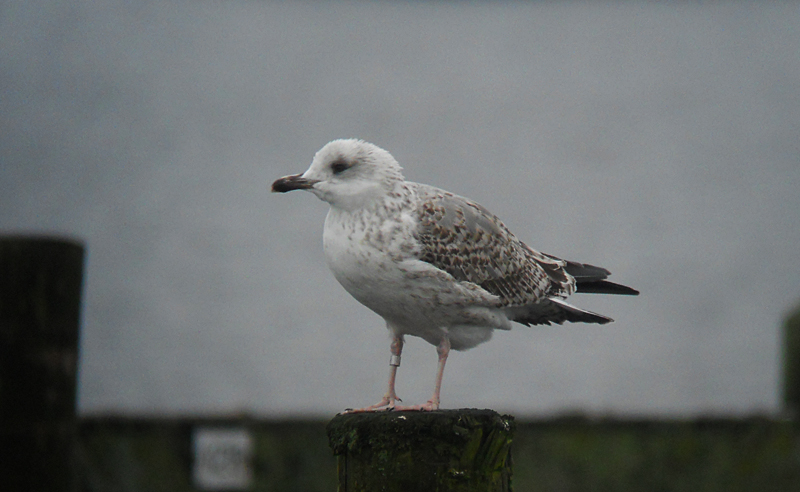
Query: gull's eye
338,167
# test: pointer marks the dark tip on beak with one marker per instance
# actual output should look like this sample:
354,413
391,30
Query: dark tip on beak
293,182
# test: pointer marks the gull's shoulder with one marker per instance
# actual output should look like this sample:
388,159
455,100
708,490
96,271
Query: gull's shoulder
438,208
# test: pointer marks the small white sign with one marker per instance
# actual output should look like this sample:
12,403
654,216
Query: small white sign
222,458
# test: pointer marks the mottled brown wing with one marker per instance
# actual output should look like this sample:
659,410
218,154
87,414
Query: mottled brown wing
471,244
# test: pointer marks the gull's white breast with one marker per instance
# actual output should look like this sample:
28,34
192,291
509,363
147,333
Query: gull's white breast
373,255
364,252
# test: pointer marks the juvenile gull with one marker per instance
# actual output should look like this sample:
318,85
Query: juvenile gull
433,264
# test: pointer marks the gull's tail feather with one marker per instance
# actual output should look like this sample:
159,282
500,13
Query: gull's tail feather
553,310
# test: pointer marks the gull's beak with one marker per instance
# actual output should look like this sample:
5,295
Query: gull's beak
293,182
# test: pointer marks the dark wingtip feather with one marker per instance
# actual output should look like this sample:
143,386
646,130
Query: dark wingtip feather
604,287
582,270
590,279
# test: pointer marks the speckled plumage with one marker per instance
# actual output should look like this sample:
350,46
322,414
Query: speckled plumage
468,242
434,264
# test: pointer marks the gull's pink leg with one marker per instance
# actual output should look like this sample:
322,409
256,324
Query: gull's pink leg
389,399
443,349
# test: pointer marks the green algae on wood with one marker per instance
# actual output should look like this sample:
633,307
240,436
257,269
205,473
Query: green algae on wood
446,450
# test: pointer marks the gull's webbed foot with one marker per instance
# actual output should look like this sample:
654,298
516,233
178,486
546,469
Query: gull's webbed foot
387,404
428,406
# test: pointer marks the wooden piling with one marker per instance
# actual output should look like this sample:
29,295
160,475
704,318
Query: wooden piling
465,450
791,364
40,288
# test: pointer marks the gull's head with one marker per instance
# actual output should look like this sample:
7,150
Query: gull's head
346,173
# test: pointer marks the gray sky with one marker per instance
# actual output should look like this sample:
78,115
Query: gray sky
659,141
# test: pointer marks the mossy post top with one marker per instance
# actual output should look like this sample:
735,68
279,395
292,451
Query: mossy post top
444,450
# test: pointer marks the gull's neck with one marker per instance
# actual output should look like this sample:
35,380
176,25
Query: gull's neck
368,198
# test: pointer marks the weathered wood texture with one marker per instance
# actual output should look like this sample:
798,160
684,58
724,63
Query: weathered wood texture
791,364
464,450
40,289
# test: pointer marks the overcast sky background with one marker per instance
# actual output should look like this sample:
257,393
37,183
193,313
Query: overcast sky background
659,140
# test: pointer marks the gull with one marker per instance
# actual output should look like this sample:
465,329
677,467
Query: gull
433,264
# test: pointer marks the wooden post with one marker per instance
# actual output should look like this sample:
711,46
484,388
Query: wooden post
40,287
464,450
791,364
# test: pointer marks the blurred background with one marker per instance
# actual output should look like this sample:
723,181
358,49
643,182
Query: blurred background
660,141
